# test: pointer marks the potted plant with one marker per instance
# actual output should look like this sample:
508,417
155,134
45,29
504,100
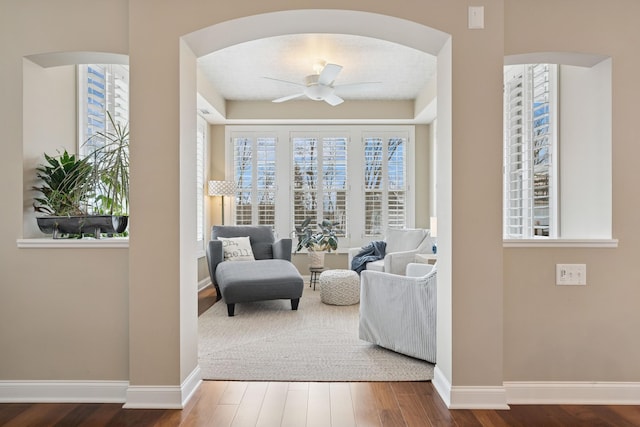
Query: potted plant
89,195
317,241
110,176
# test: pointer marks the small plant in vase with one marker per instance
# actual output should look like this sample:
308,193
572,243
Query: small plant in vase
317,241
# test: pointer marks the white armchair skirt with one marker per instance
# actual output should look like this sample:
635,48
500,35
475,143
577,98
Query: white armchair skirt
399,312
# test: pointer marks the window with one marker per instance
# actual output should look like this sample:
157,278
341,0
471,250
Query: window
557,149
103,120
385,184
103,90
320,179
254,169
530,161
356,175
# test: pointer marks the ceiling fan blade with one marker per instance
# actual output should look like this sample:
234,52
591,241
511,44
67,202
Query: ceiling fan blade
350,85
284,81
333,100
288,97
329,74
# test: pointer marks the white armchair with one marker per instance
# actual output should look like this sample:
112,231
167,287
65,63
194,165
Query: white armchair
402,245
399,312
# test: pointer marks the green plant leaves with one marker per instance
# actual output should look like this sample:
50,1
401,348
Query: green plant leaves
66,185
98,183
323,240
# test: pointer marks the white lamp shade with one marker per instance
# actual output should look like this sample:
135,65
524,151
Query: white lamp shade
222,188
434,226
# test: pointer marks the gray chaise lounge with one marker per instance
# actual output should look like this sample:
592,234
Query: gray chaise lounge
271,276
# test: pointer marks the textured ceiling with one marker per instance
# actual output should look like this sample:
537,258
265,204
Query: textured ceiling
238,72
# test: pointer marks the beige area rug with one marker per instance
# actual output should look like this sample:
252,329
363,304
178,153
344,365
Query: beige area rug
267,341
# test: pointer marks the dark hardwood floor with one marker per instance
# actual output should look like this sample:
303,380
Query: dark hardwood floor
298,404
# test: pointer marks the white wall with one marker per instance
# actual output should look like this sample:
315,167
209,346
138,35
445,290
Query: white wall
585,151
49,126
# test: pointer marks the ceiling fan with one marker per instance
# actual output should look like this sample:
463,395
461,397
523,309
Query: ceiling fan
319,86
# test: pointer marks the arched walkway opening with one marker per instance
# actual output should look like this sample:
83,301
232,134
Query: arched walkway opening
404,32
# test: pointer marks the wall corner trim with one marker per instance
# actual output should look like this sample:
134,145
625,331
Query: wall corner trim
442,385
163,397
469,397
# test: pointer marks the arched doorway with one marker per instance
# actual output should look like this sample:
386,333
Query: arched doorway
383,27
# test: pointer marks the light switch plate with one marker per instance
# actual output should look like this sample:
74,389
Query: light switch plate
571,274
476,17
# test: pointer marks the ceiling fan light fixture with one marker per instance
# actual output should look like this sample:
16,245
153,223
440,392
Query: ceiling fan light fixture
318,92
319,66
317,87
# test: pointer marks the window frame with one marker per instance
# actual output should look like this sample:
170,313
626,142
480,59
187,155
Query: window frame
531,229
114,94
323,139
201,183
284,223
115,103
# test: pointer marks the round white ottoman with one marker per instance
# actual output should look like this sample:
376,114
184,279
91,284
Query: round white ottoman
339,287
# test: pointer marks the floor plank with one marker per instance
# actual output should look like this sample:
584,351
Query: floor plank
341,405
41,414
413,412
388,409
249,408
319,405
273,405
364,405
295,408
233,393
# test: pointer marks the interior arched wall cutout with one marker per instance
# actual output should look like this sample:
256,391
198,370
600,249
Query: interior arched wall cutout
584,141
366,24
568,58
56,59
50,103
401,31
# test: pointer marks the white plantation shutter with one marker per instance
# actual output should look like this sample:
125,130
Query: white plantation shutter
397,187
201,135
334,181
254,168
320,178
385,182
305,178
288,173
529,147
266,180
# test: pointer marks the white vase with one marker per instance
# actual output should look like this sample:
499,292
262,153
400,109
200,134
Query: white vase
316,259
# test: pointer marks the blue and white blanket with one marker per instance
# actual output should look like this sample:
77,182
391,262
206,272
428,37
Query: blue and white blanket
372,252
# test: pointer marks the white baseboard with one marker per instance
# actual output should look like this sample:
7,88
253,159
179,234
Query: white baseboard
63,391
572,393
442,385
468,397
163,397
535,393
204,283
478,397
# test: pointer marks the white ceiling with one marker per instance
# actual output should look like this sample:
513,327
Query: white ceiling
238,72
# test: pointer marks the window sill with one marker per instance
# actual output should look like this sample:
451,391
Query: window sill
49,243
339,251
560,243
